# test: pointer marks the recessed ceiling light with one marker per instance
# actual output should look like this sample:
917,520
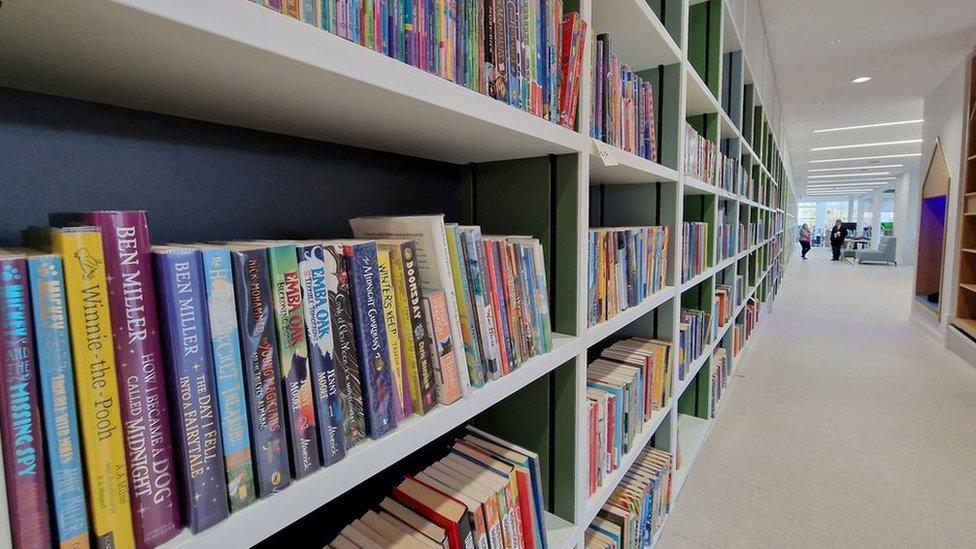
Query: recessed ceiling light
860,79
859,145
864,126
839,175
875,157
872,167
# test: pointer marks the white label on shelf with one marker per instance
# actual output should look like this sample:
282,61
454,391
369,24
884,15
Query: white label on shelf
606,153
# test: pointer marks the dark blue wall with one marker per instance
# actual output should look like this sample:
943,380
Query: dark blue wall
199,181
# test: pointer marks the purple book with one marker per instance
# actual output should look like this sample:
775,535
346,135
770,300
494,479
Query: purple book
20,411
148,441
186,327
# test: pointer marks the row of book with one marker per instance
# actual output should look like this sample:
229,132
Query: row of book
732,177
699,156
726,240
693,338
631,379
213,374
720,378
528,54
635,511
485,493
694,249
623,104
724,304
625,266
743,237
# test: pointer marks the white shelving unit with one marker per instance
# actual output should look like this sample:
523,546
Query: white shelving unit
234,62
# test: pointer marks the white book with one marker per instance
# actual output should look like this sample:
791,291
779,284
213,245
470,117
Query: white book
433,261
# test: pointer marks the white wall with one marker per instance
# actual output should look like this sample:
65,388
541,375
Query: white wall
905,231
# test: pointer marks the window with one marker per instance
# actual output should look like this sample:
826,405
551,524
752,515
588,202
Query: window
806,212
887,210
836,210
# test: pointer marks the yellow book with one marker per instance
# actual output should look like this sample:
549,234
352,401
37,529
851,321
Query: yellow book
393,331
86,292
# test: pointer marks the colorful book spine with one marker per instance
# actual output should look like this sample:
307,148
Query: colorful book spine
446,371
291,8
403,406
229,370
474,256
293,359
148,441
321,347
374,359
86,293
462,294
186,329
57,384
20,411
309,14
252,288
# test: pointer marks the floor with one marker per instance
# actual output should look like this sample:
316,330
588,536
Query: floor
845,427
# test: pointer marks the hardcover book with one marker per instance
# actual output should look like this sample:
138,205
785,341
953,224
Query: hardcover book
229,370
402,405
321,352
20,410
293,359
57,385
252,288
86,294
148,442
186,329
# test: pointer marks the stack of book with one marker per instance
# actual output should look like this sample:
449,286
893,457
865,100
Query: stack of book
637,507
630,380
728,173
486,492
269,359
693,335
724,303
699,156
626,265
694,256
720,378
725,238
623,104
528,55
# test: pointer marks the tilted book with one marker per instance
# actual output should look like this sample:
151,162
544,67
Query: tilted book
402,405
190,368
145,409
20,410
89,321
293,359
229,369
321,352
466,314
57,384
252,288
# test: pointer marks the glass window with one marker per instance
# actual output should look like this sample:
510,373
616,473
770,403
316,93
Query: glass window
887,210
837,210
806,212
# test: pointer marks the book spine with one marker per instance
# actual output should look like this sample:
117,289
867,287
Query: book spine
190,367
402,405
422,378
374,357
148,441
20,411
86,292
409,382
273,4
57,386
344,337
229,370
293,360
474,252
252,289
472,358
448,384
291,8
309,14
321,349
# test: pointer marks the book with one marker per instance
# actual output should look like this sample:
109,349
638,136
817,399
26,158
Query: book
229,369
293,359
190,369
402,404
415,344
57,388
25,471
475,269
446,367
145,403
439,508
466,313
86,295
252,288
415,521
433,260
321,352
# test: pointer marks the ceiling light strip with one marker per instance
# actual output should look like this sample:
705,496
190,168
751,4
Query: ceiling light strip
875,157
865,126
860,145
879,166
842,175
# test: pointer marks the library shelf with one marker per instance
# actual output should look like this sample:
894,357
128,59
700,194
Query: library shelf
966,325
257,522
699,98
611,165
244,65
639,38
597,333
560,533
752,153
697,279
600,497
693,369
692,432
693,185
726,128
968,286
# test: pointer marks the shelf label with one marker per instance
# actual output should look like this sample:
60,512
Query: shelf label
606,153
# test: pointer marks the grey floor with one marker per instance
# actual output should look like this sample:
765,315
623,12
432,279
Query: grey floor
845,427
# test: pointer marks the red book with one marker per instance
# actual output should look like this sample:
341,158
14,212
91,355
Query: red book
439,508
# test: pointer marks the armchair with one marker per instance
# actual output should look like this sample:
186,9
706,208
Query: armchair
884,254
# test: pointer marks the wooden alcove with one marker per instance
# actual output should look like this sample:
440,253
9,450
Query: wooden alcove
931,232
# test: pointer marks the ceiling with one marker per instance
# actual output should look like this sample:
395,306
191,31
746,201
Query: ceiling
907,47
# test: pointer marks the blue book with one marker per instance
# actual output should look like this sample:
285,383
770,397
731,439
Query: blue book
371,343
229,369
313,275
57,384
477,270
190,368
308,12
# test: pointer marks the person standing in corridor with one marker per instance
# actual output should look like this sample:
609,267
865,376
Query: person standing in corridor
838,234
804,239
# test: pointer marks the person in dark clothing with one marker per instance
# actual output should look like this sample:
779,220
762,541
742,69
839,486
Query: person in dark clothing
838,234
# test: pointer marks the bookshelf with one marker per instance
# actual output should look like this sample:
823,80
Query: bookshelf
413,142
965,313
